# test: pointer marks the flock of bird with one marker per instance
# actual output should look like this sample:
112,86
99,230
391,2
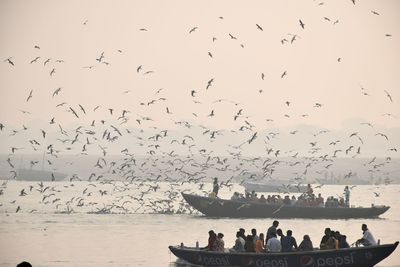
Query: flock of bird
172,162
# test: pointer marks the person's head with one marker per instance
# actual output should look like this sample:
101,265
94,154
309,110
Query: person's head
242,231
319,195
238,234
364,227
343,237
275,223
220,235
211,233
306,238
253,231
289,232
261,236
309,185
279,232
24,264
327,231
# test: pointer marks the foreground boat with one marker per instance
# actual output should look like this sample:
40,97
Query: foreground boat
216,207
350,257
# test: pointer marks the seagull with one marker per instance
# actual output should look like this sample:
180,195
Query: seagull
30,96
259,27
101,57
209,83
384,135
139,68
374,12
388,95
57,91
232,37
9,61
192,93
47,61
35,60
193,29
52,71
283,74
301,23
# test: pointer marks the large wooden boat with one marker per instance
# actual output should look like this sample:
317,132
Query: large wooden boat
349,257
216,207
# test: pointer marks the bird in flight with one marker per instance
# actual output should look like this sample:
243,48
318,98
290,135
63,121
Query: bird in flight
374,12
232,37
301,23
388,95
30,96
259,27
34,60
9,61
283,74
193,29
209,83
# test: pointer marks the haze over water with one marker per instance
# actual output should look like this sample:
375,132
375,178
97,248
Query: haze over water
137,101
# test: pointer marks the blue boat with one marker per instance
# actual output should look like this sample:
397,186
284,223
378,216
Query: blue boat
348,257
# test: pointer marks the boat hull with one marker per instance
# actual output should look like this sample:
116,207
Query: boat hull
351,257
216,207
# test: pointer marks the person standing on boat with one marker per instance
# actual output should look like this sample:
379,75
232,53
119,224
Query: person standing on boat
260,244
271,230
367,239
215,187
347,196
310,191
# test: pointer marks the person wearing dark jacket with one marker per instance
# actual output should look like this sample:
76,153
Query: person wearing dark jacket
306,244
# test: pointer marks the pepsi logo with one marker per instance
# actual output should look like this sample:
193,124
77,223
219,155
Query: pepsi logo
307,261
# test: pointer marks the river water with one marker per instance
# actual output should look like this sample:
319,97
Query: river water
75,232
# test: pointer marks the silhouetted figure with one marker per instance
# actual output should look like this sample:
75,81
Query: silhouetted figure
306,244
367,239
211,240
325,238
24,264
215,187
219,244
249,245
273,244
271,230
347,196
260,244
239,243
288,242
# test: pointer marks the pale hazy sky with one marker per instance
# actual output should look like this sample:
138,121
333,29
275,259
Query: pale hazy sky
77,32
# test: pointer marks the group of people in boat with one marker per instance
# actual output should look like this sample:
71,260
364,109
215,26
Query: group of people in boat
276,241
307,199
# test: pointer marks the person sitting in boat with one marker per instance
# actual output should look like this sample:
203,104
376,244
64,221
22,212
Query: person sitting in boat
260,244
342,204
293,200
310,191
271,230
332,242
263,199
249,244
211,240
254,235
273,244
219,244
367,238
215,187
342,240
306,244
288,242
325,238
235,196
279,233
239,243
286,200
320,200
